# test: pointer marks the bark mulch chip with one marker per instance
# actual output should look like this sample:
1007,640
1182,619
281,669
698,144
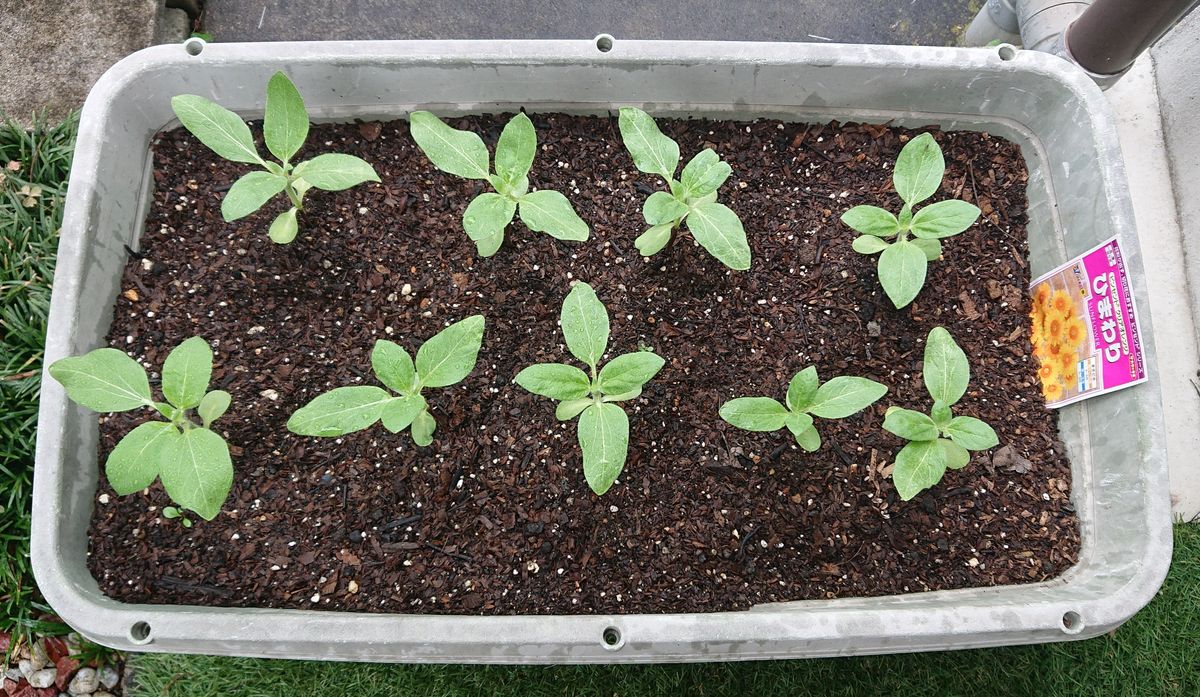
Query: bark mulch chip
495,516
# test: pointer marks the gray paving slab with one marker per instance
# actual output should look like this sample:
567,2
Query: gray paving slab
927,22
51,51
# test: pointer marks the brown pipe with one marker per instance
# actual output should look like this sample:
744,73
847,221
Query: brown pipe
1111,34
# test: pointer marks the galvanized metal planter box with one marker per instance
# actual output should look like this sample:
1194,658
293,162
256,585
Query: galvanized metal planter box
1077,197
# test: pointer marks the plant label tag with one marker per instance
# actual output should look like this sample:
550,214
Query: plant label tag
1085,334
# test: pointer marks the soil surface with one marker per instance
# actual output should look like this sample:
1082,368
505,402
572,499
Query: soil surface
495,516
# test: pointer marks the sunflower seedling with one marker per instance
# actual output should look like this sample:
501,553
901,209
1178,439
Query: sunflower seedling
603,429
940,439
692,199
191,459
904,262
806,398
443,360
285,128
486,217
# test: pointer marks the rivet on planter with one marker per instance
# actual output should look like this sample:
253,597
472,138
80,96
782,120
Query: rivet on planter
612,638
139,633
1072,622
604,43
194,45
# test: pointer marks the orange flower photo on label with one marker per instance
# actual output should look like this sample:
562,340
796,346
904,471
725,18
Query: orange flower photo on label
1076,334
1061,304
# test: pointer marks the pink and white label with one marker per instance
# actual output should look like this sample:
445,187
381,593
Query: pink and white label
1085,331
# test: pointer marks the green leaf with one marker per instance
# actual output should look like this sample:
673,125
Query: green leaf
555,380
909,424
932,248
186,373
719,230
283,228
571,408
487,215
516,148
585,324
340,411
946,370
704,174
919,465
652,152
843,396
662,208
285,125
169,412
957,456
866,244
450,355
653,240
941,414
902,272
802,389
399,413
604,439
301,188
213,406
808,439
134,463
510,189
489,246
628,372
249,193
943,219
971,433
423,427
550,212
221,130
335,171
872,220
799,424
919,169
622,396
197,472
104,380
460,153
393,366
755,413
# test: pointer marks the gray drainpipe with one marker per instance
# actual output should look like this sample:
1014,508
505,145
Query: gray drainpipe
1103,37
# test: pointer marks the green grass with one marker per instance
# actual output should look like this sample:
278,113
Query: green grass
1157,653
28,239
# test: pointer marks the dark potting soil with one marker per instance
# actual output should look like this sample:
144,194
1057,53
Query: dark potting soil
495,516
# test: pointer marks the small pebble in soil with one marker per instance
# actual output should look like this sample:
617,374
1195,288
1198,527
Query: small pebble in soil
43,678
109,677
85,682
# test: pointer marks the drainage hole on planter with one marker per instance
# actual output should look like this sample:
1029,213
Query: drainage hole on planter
139,633
612,638
1072,623
1006,52
604,43
194,46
